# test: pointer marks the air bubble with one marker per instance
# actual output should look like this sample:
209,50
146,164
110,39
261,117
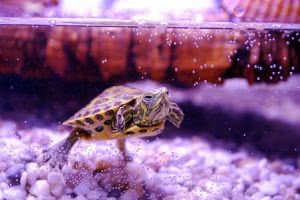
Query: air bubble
104,61
53,22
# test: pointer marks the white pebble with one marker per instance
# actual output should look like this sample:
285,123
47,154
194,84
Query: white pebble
57,191
23,180
68,190
96,194
268,188
82,188
43,172
237,195
56,182
296,182
40,188
4,156
185,195
278,197
138,171
31,166
31,177
46,198
286,180
80,197
219,189
32,173
66,197
130,195
30,197
266,198
13,193
221,158
237,192
3,185
55,178
258,196
251,190
201,194
3,166
3,177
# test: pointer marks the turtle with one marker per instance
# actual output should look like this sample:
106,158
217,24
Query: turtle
119,112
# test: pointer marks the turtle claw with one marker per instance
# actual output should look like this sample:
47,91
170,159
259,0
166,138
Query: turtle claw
56,156
54,159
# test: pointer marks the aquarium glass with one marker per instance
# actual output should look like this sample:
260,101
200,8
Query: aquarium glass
149,100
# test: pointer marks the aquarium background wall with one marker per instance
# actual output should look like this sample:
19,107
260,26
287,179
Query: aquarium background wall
232,66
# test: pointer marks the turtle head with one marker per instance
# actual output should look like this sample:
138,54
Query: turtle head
152,107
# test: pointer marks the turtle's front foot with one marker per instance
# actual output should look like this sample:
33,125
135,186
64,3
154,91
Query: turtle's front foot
57,155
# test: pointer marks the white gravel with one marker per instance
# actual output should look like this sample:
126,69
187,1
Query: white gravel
168,169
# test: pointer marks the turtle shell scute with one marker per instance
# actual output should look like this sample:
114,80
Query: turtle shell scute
106,103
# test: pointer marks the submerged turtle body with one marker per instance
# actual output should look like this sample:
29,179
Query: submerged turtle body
118,112
97,116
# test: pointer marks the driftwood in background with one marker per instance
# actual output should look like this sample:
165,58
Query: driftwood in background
263,10
183,56
267,57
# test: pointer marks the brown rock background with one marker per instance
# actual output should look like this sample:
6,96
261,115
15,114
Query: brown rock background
181,56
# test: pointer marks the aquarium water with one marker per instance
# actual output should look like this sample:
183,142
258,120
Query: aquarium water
237,84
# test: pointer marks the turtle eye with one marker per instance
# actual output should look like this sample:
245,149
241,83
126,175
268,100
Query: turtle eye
148,98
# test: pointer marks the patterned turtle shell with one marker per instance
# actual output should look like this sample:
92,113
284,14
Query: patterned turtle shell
96,117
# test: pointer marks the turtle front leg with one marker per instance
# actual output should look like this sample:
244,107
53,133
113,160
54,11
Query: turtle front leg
57,155
176,115
119,122
123,115
121,144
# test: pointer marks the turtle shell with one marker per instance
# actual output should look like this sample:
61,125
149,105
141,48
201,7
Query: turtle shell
97,115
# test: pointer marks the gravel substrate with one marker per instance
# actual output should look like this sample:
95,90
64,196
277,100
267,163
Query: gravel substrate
178,168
